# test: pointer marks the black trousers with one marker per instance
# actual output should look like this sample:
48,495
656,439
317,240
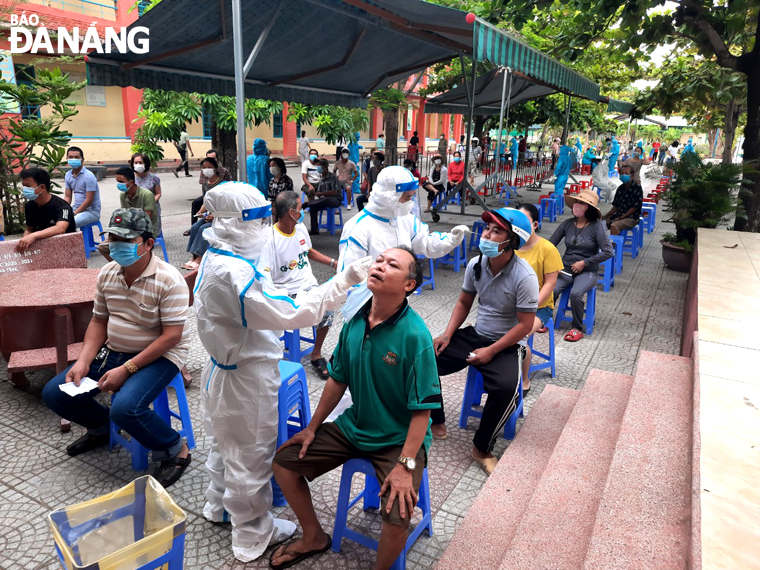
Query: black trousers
500,381
183,161
361,201
316,206
197,203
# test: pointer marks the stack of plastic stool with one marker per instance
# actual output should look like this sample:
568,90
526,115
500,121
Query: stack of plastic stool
564,307
549,359
372,501
549,205
650,209
161,407
473,394
293,410
642,230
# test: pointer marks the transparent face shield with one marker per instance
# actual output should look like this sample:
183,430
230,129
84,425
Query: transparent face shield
262,213
412,205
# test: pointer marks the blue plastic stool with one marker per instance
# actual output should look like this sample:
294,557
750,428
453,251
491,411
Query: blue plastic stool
607,274
457,258
549,206
651,210
293,409
2,237
617,246
642,230
549,359
560,199
477,230
161,407
292,350
540,208
372,501
331,226
172,560
473,394
508,190
426,279
160,242
588,318
438,199
631,241
88,233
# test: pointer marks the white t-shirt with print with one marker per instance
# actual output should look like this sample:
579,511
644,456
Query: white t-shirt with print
286,257
310,170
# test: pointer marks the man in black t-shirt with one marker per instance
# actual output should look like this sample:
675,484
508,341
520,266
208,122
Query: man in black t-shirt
46,215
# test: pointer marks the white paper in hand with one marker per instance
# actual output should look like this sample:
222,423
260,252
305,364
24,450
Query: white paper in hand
85,385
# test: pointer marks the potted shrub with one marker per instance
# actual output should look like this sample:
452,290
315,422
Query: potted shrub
700,195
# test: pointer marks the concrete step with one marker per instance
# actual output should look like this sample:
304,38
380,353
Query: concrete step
644,518
487,530
557,524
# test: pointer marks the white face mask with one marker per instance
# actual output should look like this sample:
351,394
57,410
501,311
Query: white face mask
274,170
208,172
139,167
405,208
344,155
437,161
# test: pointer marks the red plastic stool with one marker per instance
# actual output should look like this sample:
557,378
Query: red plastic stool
518,182
528,180
584,184
575,189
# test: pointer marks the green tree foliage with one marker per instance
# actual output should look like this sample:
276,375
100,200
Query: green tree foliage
33,141
332,122
165,113
721,31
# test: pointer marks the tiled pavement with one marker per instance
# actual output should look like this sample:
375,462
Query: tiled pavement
642,312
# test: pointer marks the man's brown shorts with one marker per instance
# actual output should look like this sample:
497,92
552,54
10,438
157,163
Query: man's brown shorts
624,224
331,449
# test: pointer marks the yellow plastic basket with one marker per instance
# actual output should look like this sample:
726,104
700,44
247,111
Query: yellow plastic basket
138,527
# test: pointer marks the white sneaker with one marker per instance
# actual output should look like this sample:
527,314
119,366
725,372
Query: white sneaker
349,207
283,530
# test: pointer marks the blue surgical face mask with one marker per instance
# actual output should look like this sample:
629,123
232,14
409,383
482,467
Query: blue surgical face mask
313,157
319,169
124,253
29,193
457,159
300,218
75,162
122,186
625,178
491,248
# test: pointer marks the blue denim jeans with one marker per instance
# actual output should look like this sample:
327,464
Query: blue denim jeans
87,217
130,407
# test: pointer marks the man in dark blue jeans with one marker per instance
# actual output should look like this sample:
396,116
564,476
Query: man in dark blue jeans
135,345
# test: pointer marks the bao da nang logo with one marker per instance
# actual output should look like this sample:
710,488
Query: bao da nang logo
117,40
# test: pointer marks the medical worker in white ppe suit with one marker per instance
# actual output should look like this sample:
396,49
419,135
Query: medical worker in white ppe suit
385,222
240,317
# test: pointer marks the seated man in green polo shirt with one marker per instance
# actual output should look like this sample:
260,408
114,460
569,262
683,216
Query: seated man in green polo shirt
385,356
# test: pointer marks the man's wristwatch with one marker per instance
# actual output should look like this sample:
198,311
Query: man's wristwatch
409,462
131,366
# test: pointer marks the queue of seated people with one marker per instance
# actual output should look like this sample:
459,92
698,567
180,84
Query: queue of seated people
137,354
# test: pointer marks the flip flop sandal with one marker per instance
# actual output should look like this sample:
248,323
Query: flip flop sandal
574,336
320,365
299,556
171,470
543,330
487,464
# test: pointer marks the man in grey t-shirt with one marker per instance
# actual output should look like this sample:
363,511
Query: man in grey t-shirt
507,291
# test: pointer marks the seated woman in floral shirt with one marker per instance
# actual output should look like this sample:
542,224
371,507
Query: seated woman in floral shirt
281,181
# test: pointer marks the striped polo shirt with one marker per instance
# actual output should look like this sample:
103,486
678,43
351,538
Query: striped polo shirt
136,315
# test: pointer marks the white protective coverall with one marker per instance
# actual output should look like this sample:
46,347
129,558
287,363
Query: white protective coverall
240,317
385,223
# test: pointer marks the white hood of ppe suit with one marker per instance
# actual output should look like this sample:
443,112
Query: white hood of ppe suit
244,238
384,199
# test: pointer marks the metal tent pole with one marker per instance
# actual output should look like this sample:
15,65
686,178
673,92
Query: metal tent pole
237,43
501,117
